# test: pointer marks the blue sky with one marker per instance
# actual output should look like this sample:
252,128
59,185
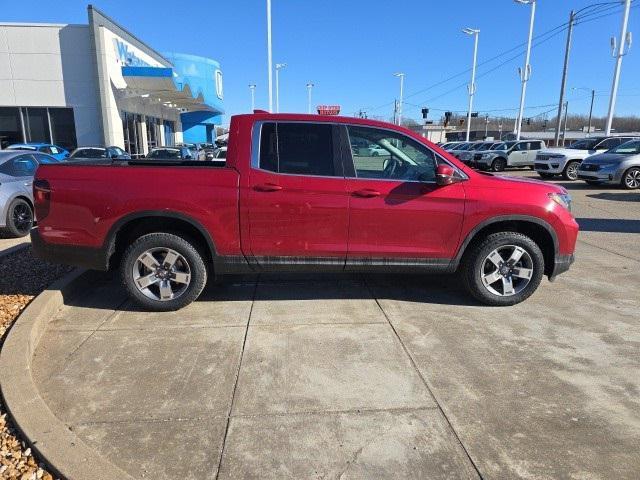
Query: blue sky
350,49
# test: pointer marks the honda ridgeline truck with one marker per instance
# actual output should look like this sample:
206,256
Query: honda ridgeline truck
294,196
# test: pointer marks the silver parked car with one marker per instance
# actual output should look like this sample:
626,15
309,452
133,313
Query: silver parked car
620,165
17,169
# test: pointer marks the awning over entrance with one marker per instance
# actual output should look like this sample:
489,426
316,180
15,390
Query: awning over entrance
159,83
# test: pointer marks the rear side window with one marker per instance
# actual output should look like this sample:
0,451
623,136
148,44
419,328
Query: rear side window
22,166
90,153
535,146
297,148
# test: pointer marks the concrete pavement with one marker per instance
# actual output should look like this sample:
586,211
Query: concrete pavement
365,376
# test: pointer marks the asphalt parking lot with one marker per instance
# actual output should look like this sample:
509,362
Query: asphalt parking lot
368,376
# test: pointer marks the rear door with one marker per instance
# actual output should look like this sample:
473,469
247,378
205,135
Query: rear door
298,204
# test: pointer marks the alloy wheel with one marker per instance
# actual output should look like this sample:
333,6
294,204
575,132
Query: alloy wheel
161,274
632,179
572,171
507,270
22,218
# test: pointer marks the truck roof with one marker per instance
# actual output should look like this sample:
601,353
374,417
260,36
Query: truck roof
304,117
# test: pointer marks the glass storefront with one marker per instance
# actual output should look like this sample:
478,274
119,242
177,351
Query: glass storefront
132,128
37,124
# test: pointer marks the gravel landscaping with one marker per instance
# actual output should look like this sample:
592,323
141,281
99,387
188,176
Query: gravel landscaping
22,277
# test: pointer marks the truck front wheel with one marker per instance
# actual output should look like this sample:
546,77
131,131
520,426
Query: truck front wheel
163,271
503,269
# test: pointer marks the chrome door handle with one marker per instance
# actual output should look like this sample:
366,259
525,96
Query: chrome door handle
267,187
366,193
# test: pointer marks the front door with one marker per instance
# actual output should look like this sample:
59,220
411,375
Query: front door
519,155
398,215
298,203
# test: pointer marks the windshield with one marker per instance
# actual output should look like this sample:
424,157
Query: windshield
165,153
585,144
499,146
484,146
627,148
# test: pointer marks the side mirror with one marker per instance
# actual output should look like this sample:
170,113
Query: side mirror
445,175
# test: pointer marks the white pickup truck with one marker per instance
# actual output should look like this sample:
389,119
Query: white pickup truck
565,161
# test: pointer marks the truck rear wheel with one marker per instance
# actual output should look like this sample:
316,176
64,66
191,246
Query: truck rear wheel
503,269
163,271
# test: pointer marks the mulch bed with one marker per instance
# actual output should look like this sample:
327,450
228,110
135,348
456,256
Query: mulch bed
22,277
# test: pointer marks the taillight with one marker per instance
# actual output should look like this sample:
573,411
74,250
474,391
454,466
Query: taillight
42,198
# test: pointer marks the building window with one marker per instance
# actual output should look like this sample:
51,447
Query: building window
63,127
10,127
169,130
36,125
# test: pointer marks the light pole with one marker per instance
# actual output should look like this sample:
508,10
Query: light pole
593,95
252,87
269,56
625,37
309,88
472,86
400,75
279,66
566,116
525,73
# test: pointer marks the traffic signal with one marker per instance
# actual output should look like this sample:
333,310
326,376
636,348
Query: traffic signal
447,118
425,112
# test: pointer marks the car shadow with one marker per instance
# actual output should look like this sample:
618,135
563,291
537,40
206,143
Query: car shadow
609,225
616,197
103,291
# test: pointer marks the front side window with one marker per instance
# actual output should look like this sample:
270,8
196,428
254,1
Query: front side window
628,148
391,156
610,143
297,148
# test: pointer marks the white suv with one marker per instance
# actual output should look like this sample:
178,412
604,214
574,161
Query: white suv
565,161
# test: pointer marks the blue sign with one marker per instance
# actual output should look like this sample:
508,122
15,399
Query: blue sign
126,56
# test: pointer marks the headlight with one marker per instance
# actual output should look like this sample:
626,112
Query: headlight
562,199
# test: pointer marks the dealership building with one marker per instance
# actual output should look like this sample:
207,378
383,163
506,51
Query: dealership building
98,84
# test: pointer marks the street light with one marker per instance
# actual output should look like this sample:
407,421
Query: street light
309,88
625,37
593,94
279,66
269,56
525,73
472,85
400,75
252,87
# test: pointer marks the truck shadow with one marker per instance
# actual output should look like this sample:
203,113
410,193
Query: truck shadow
103,291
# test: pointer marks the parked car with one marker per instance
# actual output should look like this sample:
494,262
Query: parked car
620,165
451,145
55,151
115,153
565,161
196,152
467,155
171,153
292,197
16,197
463,148
509,154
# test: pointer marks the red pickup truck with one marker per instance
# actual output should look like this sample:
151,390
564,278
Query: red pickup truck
303,193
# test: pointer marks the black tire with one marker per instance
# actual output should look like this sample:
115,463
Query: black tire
546,176
571,171
499,164
191,261
473,268
19,221
631,179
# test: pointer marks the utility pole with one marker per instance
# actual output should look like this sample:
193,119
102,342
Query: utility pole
525,73
486,126
593,94
566,115
500,129
279,66
400,75
472,86
309,87
252,87
269,56
563,84
625,37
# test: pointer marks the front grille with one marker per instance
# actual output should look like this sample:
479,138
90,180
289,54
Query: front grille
542,157
541,166
589,167
477,156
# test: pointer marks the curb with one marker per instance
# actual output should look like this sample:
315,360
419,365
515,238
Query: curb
61,449
15,248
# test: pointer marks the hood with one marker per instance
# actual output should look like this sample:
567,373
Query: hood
564,151
505,182
606,158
